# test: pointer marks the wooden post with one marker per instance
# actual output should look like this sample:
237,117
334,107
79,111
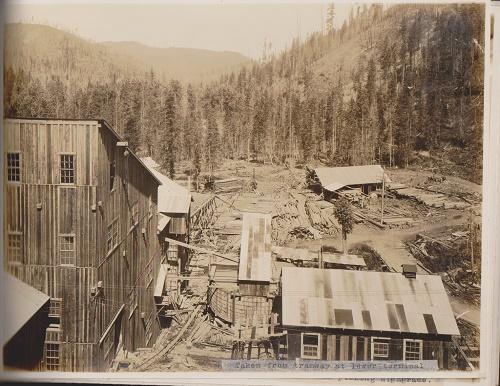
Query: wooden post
320,257
234,307
383,194
274,321
471,238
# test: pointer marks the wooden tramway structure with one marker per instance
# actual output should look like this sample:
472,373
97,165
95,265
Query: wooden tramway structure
202,217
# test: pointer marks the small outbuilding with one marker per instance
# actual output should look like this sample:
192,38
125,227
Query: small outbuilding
333,314
255,265
243,293
349,179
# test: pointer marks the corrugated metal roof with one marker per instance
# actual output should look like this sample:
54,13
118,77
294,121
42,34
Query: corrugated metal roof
365,300
333,179
21,303
255,251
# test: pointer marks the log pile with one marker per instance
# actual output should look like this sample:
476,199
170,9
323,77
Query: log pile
322,220
209,333
295,217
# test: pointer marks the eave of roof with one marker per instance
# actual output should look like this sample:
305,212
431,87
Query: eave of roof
21,303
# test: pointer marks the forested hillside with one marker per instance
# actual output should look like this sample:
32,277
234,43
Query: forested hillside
398,86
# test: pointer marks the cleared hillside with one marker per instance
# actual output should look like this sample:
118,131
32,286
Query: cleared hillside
184,64
44,52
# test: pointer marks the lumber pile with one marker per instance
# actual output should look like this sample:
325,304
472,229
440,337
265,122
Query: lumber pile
428,198
227,185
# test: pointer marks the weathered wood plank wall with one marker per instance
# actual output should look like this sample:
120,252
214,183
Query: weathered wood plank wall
41,209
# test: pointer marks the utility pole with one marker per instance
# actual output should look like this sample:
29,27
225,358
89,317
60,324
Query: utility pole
471,239
383,194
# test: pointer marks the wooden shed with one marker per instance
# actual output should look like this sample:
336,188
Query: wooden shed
80,226
333,314
333,180
255,269
243,293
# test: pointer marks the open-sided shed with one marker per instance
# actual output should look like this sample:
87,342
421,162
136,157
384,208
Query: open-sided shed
365,177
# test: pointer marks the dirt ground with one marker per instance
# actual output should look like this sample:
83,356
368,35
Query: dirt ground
277,183
303,219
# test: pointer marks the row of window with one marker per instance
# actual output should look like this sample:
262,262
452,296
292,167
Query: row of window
412,348
67,166
67,250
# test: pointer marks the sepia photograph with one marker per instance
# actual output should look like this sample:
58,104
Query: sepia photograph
226,187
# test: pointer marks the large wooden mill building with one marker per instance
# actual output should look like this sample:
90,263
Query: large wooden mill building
80,224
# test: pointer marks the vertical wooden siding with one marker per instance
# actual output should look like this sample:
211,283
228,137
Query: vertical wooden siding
68,209
124,269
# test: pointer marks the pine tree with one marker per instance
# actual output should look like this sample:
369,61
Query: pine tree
167,146
344,215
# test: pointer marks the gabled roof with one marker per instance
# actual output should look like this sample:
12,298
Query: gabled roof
333,179
21,303
365,300
255,251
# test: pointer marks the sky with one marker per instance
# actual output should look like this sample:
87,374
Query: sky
221,26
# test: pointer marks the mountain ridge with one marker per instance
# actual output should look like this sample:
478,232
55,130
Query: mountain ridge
35,48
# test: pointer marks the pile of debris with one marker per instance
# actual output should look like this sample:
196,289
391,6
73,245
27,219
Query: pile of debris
452,258
210,333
